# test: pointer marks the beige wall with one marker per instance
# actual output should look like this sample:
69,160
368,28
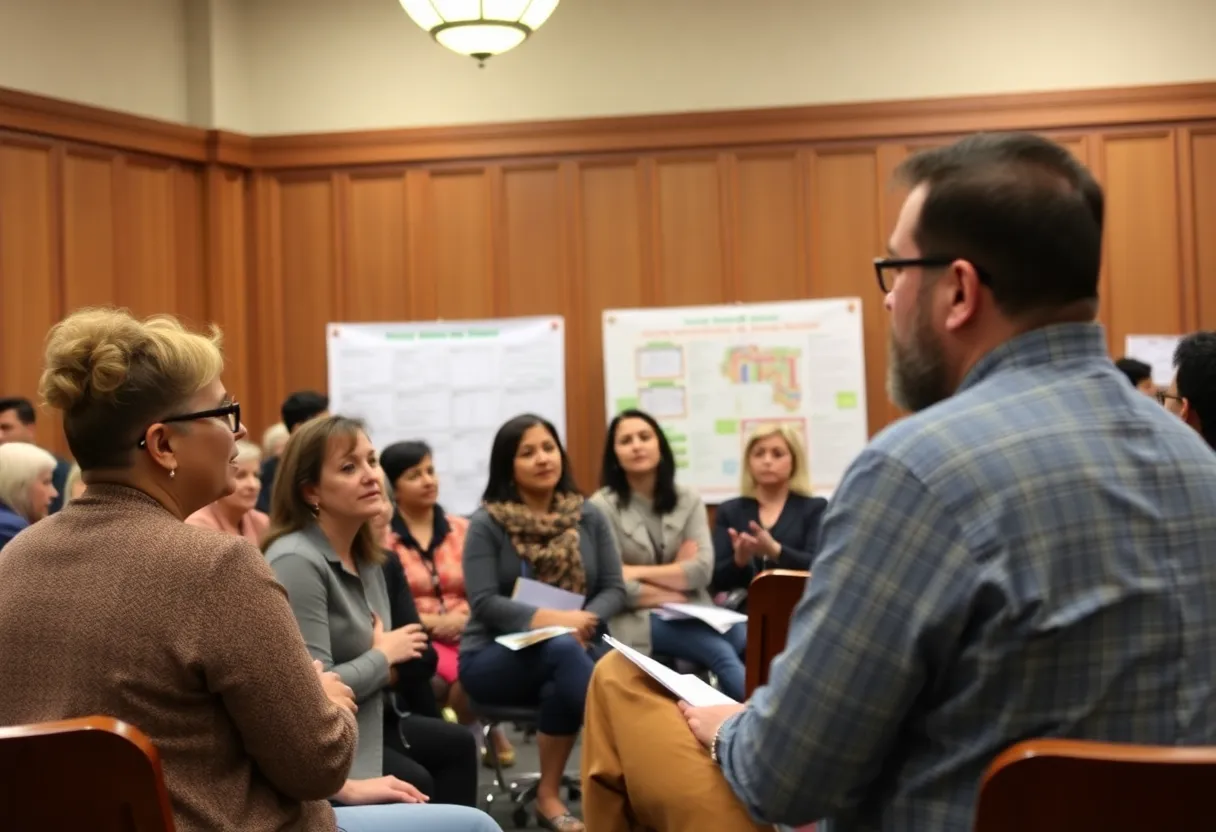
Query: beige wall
120,54
285,66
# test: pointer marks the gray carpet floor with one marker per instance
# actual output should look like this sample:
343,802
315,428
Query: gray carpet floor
526,762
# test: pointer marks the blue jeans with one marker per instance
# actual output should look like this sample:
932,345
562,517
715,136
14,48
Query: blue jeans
407,817
701,644
553,674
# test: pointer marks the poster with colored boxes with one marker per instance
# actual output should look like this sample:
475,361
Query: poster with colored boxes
713,375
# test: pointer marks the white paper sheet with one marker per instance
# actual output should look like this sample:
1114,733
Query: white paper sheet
1157,351
543,596
720,618
518,641
686,687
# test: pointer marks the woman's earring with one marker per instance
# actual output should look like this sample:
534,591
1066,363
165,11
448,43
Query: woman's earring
172,473
316,509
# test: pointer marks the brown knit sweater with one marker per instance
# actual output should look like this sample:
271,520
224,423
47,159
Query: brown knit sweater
115,607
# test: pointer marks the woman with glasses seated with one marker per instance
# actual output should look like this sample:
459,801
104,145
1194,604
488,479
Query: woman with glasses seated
176,630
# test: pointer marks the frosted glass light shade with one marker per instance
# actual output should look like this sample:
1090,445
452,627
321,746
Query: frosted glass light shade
479,28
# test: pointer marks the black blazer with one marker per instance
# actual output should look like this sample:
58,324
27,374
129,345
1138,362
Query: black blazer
413,689
270,468
796,529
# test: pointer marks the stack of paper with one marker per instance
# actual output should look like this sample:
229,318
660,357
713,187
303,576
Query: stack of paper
518,641
545,597
720,618
685,686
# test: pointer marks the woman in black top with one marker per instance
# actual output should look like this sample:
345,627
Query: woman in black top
775,523
442,757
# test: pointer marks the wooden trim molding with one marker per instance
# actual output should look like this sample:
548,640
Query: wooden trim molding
834,122
59,119
1134,107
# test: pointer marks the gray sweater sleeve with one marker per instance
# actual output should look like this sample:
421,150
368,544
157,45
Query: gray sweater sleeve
609,593
700,569
483,547
367,674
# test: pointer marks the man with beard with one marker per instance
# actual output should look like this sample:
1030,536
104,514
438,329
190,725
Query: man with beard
1028,554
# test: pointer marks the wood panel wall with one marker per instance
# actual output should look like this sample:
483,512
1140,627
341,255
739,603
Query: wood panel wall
273,238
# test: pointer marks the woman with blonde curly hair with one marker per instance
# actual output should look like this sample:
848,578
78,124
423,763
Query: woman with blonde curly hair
177,630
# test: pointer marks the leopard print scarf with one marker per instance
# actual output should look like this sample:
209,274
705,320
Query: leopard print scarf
550,543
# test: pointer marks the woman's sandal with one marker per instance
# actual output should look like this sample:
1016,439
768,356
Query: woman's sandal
561,823
506,759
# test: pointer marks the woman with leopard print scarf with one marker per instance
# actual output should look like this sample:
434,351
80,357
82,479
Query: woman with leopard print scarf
534,523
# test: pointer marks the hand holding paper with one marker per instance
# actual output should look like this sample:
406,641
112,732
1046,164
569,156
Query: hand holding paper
705,722
685,686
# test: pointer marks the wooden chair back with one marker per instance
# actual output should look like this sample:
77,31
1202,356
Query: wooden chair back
1054,785
771,599
93,773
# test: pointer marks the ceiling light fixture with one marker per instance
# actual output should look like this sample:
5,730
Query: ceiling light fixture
479,28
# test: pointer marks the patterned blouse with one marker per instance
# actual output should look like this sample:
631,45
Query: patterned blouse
436,574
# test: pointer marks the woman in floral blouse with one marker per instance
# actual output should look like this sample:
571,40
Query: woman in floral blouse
429,543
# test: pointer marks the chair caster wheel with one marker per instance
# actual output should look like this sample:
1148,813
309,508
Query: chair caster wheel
574,795
520,818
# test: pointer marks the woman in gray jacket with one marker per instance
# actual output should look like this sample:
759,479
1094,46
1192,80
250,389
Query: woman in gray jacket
662,531
322,550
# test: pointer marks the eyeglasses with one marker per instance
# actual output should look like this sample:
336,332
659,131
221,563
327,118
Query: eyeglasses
1163,397
881,264
231,413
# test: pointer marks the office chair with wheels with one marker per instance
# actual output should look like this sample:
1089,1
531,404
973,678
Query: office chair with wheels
521,789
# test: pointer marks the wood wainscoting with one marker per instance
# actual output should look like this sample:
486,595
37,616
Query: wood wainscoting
272,237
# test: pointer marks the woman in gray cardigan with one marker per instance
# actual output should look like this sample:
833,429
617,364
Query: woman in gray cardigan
323,551
663,534
535,524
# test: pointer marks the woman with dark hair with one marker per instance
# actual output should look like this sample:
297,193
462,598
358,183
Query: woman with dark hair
533,523
428,544
662,532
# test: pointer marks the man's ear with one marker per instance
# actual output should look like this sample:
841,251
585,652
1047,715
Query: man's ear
1188,415
963,284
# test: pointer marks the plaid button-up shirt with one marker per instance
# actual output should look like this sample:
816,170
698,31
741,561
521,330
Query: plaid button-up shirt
1035,556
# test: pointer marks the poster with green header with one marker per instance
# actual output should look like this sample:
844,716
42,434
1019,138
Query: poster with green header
714,375
450,384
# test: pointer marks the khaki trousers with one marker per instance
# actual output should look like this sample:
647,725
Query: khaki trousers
643,770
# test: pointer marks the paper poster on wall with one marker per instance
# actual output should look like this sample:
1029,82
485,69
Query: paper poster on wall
451,384
712,374
1157,351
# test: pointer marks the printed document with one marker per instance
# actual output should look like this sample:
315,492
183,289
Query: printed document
518,641
545,597
685,686
720,618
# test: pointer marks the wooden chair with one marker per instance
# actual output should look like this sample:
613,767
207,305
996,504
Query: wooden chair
771,599
94,773
1051,785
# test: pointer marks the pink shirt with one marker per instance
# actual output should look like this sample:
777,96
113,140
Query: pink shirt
252,527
